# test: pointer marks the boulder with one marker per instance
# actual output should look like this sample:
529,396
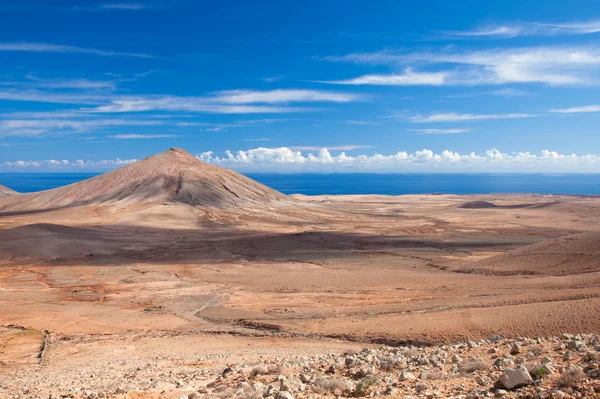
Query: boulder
514,378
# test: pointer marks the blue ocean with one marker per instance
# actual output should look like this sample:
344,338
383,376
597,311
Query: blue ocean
363,183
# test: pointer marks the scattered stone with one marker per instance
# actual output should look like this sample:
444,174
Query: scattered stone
514,378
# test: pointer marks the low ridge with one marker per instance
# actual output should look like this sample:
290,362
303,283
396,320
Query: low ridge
171,176
5,191
572,254
477,205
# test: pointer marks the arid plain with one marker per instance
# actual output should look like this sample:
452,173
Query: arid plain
169,258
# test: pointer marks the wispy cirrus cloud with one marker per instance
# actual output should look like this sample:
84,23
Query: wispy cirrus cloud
224,102
282,96
219,127
506,31
123,6
79,84
142,136
37,127
228,102
439,131
455,117
530,29
577,110
62,48
258,139
407,78
551,65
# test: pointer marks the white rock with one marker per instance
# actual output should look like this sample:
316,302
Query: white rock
514,378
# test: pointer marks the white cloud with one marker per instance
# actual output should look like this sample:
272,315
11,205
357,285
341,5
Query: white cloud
36,127
424,160
227,102
577,110
408,78
82,84
440,131
53,98
141,136
281,96
62,48
552,65
288,160
259,139
334,148
224,102
454,117
532,29
272,79
502,31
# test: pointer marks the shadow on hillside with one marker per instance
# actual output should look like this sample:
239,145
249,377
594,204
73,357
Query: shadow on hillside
116,245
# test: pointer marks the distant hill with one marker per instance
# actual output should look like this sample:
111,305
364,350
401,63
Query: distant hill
173,176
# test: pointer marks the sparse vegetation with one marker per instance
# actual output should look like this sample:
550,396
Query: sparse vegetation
324,385
434,375
539,372
472,365
265,370
363,386
570,377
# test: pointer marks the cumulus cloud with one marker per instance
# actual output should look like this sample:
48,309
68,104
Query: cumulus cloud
285,159
424,160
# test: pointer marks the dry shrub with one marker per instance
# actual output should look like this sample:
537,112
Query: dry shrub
389,363
323,385
571,377
434,375
265,370
472,365
408,353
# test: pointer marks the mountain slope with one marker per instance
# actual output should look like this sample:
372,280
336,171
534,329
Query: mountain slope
171,176
573,254
5,191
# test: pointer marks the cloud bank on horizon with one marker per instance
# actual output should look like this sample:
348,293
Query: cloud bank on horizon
99,84
284,159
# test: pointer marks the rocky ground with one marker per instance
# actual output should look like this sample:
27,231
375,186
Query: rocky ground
562,367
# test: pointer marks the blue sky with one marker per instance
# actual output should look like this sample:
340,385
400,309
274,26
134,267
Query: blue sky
302,85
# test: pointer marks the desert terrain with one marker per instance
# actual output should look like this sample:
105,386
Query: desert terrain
155,279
